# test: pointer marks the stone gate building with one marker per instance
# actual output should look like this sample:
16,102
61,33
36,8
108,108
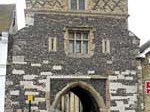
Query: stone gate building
73,56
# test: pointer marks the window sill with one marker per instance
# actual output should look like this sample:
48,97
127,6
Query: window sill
79,55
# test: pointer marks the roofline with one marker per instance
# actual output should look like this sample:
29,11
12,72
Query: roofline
143,54
145,46
11,15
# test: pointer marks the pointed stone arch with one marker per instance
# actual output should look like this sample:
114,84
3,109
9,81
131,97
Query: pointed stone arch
88,88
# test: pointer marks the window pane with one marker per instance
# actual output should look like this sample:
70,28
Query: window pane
73,4
108,46
78,46
71,35
85,35
85,47
71,46
105,46
78,36
52,45
81,4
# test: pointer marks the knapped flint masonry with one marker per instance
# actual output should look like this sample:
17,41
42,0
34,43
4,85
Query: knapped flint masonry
73,56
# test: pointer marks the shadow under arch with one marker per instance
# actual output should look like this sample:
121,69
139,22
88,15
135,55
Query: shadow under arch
91,100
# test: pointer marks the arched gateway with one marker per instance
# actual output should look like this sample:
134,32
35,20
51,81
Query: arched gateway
79,97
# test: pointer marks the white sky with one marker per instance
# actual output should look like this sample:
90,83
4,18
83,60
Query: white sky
139,20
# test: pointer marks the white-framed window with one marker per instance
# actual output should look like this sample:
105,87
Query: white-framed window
77,4
106,46
78,42
52,44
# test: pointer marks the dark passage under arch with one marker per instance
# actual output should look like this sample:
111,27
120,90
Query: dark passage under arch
88,102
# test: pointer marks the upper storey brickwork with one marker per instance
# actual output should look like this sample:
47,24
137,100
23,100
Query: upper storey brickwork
97,6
